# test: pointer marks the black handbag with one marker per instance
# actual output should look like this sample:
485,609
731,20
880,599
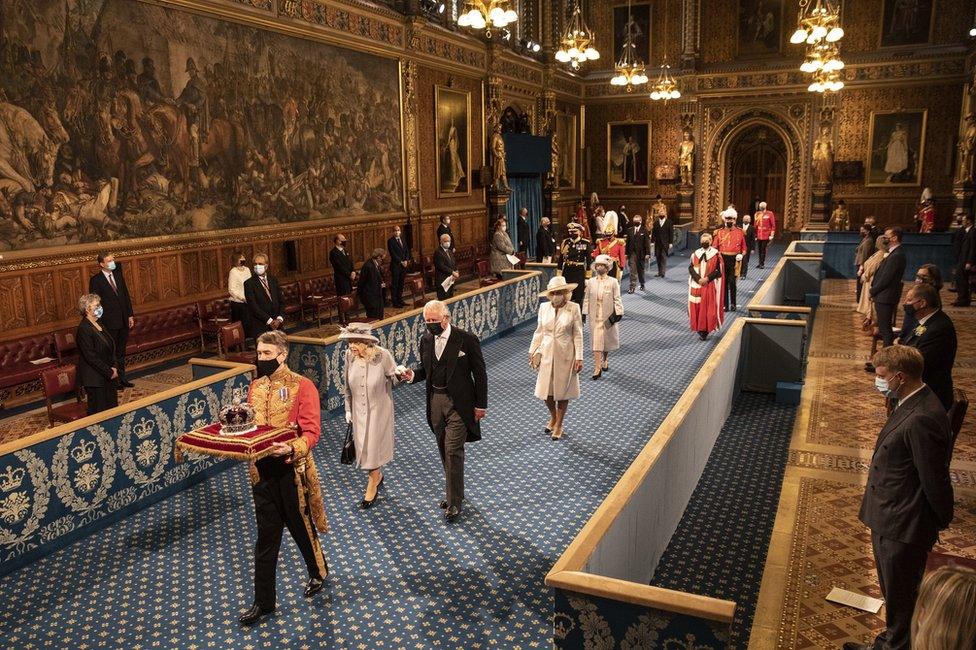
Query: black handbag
348,455
613,320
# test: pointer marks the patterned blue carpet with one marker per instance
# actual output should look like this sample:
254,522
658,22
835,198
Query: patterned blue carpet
178,574
720,546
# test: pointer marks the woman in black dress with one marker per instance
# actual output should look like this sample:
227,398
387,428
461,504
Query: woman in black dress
96,357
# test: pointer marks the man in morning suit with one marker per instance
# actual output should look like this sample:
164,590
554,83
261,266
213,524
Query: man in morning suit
445,266
965,259
444,228
908,497
370,288
457,395
750,234
662,236
117,318
342,266
934,336
399,261
638,250
522,231
262,294
285,485
887,284
545,241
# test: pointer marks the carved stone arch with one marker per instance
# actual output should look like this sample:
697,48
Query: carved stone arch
792,125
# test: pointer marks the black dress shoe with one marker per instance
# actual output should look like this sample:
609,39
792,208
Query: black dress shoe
702,335
452,513
314,586
630,291
443,504
253,615
125,383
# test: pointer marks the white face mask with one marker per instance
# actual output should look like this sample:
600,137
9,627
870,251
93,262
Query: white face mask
259,269
445,245
884,387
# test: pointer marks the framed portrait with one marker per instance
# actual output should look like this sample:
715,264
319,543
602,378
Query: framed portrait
906,22
452,122
628,154
565,136
896,148
760,28
638,23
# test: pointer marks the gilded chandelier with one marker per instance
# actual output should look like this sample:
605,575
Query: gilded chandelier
665,87
630,69
477,14
819,27
576,45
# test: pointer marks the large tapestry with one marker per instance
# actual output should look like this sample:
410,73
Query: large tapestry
120,119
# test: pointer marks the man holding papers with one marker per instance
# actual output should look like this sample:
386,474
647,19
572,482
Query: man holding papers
445,269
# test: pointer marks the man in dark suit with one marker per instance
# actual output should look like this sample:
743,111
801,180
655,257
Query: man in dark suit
545,241
887,284
118,317
370,287
342,267
934,336
522,231
445,266
444,228
750,234
965,259
265,306
662,235
638,250
908,498
457,395
399,261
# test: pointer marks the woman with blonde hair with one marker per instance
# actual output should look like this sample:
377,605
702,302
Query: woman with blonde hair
945,611
865,306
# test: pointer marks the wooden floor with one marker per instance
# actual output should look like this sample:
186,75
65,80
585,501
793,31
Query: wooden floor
818,542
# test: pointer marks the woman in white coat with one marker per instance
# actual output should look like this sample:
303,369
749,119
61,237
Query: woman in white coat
601,302
556,352
370,374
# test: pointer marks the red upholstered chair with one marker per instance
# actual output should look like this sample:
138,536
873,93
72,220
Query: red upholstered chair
232,342
214,314
156,329
16,356
66,346
416,286
427,269
348,305
58,382
318,298
485,277
291,296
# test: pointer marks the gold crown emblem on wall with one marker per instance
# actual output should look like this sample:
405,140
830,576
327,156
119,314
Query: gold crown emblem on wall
11,479
144,429
197,408
84,451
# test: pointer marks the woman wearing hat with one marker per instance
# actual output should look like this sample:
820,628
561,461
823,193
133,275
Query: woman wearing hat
556,352
602,302
370,374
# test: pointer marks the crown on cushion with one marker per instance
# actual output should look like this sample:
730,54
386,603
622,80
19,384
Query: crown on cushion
237,418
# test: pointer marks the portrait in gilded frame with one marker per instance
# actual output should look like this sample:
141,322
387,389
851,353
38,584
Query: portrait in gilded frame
760,28
896,148
566,135
452,123
906,22
638,23
628,154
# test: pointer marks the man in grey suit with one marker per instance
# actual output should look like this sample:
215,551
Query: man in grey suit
908,498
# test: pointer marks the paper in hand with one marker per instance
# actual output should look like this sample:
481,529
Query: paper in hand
448,283
514,260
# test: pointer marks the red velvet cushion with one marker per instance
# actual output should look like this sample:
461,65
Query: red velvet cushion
250,446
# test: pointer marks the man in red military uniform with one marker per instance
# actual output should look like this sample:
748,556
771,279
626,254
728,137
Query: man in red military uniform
705,289
285,485
610,244
731,243
765,224
926,216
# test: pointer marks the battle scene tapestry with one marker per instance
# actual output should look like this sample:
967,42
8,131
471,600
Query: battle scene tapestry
121,119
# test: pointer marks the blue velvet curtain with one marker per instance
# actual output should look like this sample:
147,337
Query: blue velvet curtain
526,193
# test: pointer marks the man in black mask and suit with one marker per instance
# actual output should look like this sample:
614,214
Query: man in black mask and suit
342,267
964,245
265,306
638,251
399,261
117,318
457,395
445,266
522,231
370,287
934,336
662,235
545,242
908,498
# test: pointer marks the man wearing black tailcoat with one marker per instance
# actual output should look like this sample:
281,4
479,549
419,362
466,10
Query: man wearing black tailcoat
118,317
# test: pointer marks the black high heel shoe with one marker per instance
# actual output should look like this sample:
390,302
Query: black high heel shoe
597,375
369,503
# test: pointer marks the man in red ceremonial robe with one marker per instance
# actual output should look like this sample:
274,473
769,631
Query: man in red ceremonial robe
705,289
285,485
765,224
731,244
926,216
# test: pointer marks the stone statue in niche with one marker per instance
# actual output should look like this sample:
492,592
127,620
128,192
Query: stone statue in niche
823,158
686,158
499,171
967,148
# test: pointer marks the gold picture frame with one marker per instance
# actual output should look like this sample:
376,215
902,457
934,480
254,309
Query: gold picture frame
898,160
632,164
567,135
887,39
452,140
759,23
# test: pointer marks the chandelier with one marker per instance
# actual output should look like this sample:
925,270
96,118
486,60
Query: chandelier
824,63
819,27
630,69
576,45
665,87
476,14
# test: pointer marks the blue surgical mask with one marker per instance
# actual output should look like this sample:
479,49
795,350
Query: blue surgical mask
98,311
881,385
111,265
259,269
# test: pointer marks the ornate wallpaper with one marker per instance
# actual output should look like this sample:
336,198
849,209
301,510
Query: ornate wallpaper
600,19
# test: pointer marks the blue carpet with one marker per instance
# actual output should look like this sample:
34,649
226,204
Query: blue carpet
720,546
177,574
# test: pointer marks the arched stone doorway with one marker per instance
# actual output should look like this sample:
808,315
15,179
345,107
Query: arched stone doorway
756,164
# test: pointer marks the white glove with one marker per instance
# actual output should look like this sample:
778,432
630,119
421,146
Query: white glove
738,258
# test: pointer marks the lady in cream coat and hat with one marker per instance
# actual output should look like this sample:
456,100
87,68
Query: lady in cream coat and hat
556,352
370,375
602,303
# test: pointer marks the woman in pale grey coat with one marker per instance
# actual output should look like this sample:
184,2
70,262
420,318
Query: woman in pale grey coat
501,248
371,373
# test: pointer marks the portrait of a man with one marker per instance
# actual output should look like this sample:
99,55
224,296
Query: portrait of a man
906,22
760,27
627,154
637,23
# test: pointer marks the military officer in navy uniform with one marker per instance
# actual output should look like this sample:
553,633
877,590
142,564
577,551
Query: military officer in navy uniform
574,260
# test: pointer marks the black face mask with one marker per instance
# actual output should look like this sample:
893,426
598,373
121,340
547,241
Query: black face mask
435,328
267,367
241,262
909,310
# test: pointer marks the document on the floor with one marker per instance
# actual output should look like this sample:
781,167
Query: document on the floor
857,601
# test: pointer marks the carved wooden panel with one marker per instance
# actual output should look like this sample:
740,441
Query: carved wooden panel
146,288
13,303
169,276
69,285
44,304
190,269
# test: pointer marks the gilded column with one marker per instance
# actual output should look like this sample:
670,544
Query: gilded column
408,71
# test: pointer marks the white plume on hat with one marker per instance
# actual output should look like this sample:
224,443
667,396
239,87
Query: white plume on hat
729,212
